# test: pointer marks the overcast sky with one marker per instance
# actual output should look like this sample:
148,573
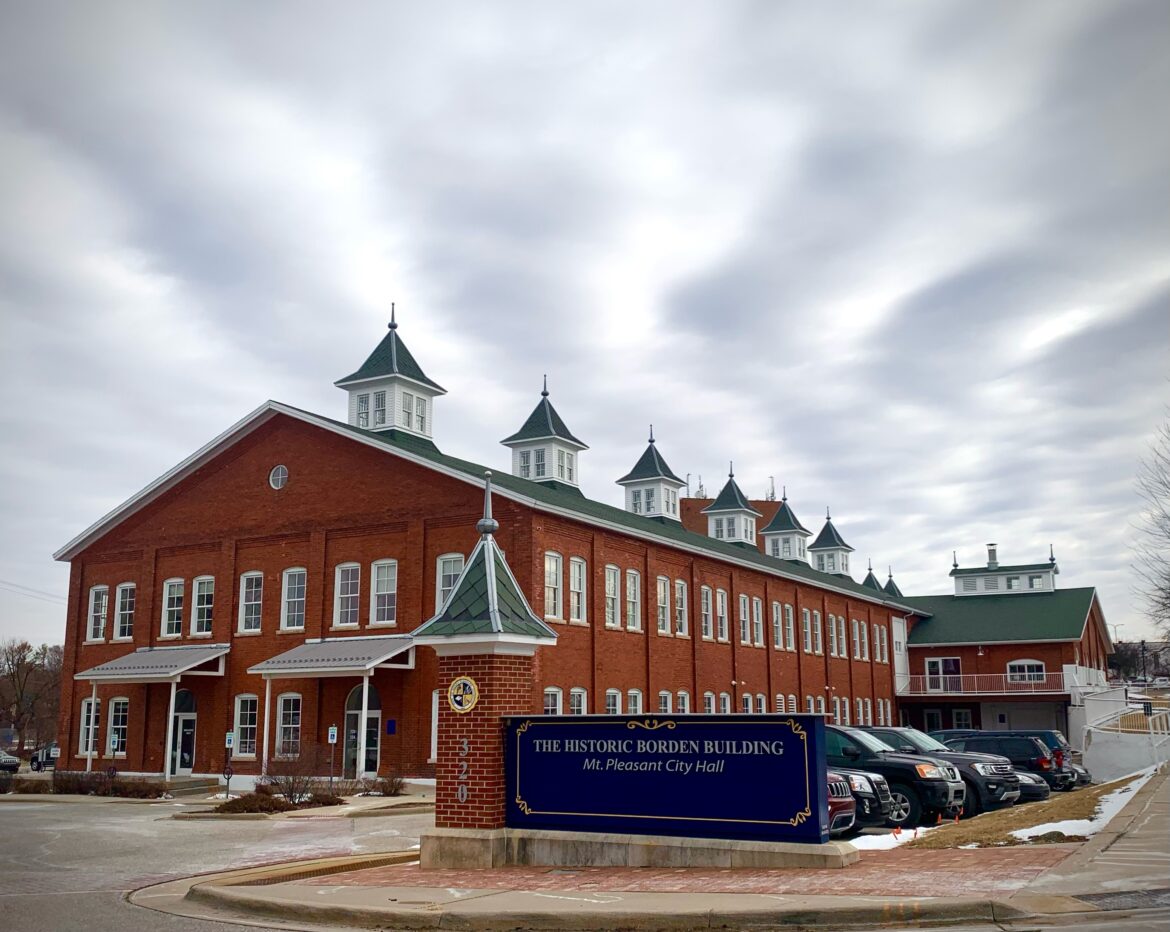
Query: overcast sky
910,259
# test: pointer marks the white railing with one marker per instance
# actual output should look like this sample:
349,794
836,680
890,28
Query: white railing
969,684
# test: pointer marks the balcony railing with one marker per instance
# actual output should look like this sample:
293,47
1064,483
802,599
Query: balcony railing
971,684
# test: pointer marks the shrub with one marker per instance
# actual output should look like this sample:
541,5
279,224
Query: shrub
99,784
256,802
6,781
392,785
22,785
85,784
295,779
263,789
325,799
137,789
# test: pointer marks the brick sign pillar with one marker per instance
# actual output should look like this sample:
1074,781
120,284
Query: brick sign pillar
469,771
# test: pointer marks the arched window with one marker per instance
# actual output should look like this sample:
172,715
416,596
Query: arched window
683,702
709,703
552,700
761,703
578,701
664,701
1025,671
634,702
353,702
746,699
613,702
725,703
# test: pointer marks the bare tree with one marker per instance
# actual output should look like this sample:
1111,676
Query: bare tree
1153,559
30,688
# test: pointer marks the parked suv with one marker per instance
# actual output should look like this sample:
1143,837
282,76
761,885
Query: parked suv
43,758
842,809
1025,753
871,793
1064,757
991,781
920,786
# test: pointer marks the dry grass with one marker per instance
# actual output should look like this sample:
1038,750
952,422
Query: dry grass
991,829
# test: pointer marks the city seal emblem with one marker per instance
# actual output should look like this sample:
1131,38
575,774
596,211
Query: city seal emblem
463,694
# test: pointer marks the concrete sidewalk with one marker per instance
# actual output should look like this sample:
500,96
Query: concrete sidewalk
898,887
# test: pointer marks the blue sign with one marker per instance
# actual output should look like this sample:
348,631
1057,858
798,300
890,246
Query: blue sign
756,777
391,726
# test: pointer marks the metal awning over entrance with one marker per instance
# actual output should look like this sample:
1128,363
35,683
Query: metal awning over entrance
344,656
160,664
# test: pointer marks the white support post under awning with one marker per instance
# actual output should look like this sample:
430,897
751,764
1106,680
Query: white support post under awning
170,744
267,709
361,761
91,737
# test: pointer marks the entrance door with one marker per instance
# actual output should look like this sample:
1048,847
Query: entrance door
183,744
901,660
353,716
943,675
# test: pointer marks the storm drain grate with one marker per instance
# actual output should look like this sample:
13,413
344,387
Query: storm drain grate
1138,899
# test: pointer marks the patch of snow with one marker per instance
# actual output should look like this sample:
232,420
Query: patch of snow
1107,807
422,781
888,840
224,796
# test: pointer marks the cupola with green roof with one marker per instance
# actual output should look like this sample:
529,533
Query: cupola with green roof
390,392
784,536
891,588
651,488
830,553
871,581
544,450
731,516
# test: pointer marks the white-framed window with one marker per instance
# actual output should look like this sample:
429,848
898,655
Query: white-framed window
719,529
806,630
363,410
538,463
91,720
525,464
613,702
613,576
552,700
786,548
720,615
818,643
745,622
1035,582
379,409
293,582
709,703
246,718
758,622
636,501
681,624
842,644
1025,671
832,635
578,701
683,702
633,600
731,528
99,604
960,718
856,640
172,608
664,701
869,711
877,643
706,622
792,706
662,609
570,466
278,477
746,701
777,627
831,562
384,592
447,570
634,702
408,410
821,704
251,601
881,713
779,702
836,711
860,711
346,593
864,629
1013,582
808,704
127,598
885,633
725,703
844,710
577,573
201,617
560,464
774,546
761,703
118,727
435,696
552,585
789,630
288,725
420,414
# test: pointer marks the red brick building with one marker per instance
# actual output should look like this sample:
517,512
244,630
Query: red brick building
266,589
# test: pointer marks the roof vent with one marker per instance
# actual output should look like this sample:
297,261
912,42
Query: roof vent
992,562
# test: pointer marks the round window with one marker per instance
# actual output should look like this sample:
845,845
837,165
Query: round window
278,478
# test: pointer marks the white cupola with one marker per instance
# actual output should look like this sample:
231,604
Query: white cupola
829,552
784,536
651,488
390,392
544,450
731,517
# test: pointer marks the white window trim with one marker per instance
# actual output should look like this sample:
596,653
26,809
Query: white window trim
91,723
745,619
682,621
636,576
725,703
709,706
106,752
615,694
167,583
707,614
123,587
93,593
236,753
284,625
722,621
663,605
583,693
244,577
582,617
195,606
818,638
280,725
806,630
555,693
559,609
682,702
372,621
665,702
618,597
337,570
634,705
439,600
1024,676
758,639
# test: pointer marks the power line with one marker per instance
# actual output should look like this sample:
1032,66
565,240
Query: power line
55,600
51,595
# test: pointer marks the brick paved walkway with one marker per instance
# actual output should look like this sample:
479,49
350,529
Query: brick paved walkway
880,873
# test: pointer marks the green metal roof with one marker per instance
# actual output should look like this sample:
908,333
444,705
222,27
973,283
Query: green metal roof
871,582
891,588
390,357
542,423
973,619
730,498
984,570
650,465
829,539
784,520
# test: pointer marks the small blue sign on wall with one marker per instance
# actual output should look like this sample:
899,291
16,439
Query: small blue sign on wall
391,726
756,777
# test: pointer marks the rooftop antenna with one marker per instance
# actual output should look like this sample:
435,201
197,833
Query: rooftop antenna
772,488
701,492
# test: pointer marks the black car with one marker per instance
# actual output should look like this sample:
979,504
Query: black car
1033,788
991,781
1025,753
1063,755
871,793
920,786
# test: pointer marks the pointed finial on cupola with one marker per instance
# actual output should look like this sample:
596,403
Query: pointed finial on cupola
828,517
544,391
1051,554
784,493
730,469
871,564
955,559
393,322
891,571
651,433
487,525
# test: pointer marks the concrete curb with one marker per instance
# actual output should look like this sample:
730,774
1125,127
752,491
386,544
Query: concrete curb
74,798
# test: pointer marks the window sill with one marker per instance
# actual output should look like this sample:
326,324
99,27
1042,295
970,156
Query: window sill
119,756
123,640
353,627
93,641
169,637
554,621
579,624
200,634
382,624
247,634
290,631
684,637
664,634
243,757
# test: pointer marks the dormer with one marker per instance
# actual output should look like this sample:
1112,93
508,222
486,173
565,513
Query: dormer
544,450
829,552
651,488
730,517
784,536
390,392
997,579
